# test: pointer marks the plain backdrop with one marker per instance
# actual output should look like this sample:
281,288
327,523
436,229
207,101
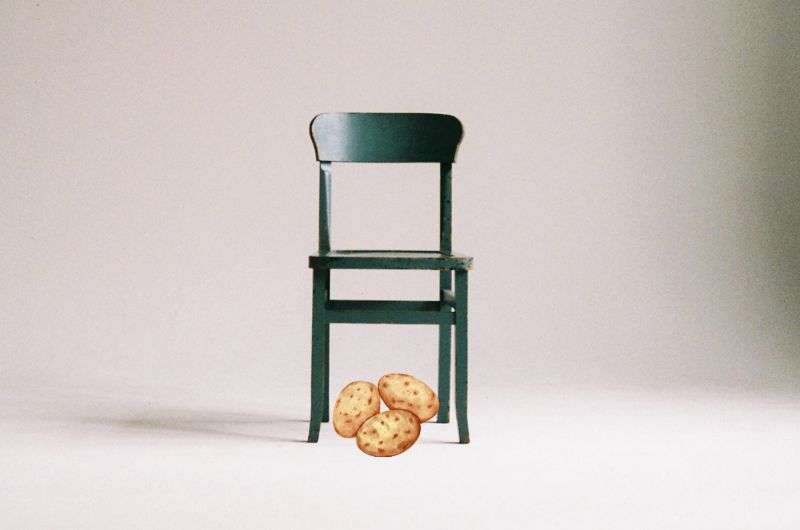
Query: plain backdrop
628,184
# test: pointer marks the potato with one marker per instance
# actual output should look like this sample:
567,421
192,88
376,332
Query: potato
406,392
388,433
357,402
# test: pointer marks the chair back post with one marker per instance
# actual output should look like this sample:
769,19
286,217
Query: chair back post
445,223
324,206
445,208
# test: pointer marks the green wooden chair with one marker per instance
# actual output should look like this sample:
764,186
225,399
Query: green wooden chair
374,137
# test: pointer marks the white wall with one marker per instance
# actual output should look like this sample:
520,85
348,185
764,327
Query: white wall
629,184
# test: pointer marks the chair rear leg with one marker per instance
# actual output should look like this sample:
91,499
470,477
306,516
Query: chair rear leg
317,355
444,373
461,356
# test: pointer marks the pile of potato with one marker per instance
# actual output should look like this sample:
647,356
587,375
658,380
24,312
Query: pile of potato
358,413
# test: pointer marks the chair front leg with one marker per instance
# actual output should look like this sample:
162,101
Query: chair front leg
445,334
444,373
461,356
317,354
326,329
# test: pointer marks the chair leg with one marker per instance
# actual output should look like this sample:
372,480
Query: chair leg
326,375
445,347
461,356
444,373
317,354
327,357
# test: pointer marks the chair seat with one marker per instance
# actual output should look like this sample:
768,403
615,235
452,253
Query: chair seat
389,259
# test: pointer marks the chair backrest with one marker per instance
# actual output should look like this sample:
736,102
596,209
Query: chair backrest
386,137
383,137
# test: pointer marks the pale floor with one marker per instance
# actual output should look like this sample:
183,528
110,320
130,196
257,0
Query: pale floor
543,459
